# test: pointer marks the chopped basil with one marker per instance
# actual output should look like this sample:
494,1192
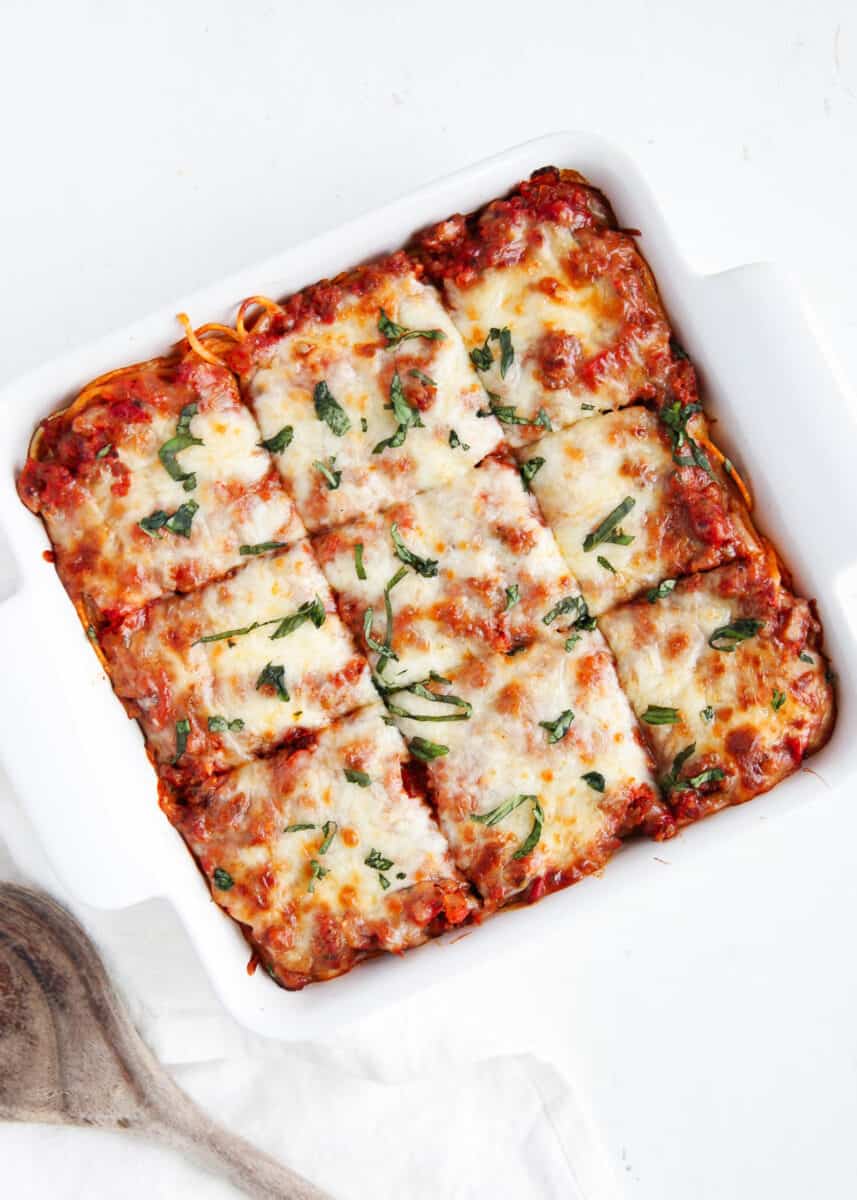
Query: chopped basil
332,477
91,633
661,591
419,688
423,749
571,604
532,839
329,830
606,564
401,875
595,780
455,441
178,522
329,410
501,811
222,724
507,414
406,415
364,425
383,649
657,714
182,731
530,469
482,356
231,633
273,676
571,642
673,783
707,713
358,561
676,416
376,860
807,658
778,699
358,777
182,440
727,637
422,377
299,827
222,879
260,548
383,880
278,443
427,567
311,610
317,871
556,730
519,649
400,333
587,408
513,596
105,450
607,531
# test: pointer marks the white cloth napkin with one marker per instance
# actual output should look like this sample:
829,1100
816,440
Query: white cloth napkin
362,1114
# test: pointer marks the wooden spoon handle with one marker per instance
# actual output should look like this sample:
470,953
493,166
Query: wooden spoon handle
223,1152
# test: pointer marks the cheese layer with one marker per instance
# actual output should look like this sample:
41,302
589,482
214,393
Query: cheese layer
496,568
101,475
681,518
293,835
751,709
165,674
352,357
504,750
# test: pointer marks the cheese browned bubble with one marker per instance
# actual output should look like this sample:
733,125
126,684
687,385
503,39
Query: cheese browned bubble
547,725
345,351
98,474
323,869
166,673
488,572
679,518
728,664
578,304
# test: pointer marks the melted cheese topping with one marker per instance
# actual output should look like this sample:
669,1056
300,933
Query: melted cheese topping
486,536
592,468
165,674
538,296
352,357
727,702
503,751
106,556
314,922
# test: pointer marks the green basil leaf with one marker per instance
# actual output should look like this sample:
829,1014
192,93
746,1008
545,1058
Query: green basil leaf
261,548
455,442
105,450
422,377
329,830
332,477
778,699
513,596
501,811
556,730
182,440
606,564
661,591
329,410
278,443
222,879
311,610
727,637
595,780
535,833
427,567
425,750
358,777
400,333
358,561
317,871
530,469
602,532
707,713
376,860
568,605
275,677
658,714
299,827
182,731
223,724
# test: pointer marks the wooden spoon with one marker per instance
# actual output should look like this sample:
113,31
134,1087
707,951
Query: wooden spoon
69,1054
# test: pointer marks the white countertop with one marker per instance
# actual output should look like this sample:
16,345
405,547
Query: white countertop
149,152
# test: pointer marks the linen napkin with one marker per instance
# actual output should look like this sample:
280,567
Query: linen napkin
366,1113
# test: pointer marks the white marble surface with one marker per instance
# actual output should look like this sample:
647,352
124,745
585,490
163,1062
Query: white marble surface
149,149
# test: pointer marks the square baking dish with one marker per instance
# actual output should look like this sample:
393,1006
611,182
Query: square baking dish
78,764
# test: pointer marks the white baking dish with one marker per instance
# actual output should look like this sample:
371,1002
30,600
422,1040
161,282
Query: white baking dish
78,764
